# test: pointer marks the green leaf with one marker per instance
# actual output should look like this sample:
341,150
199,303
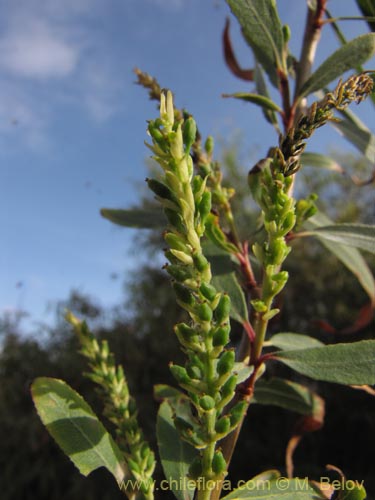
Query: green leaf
281,488
261,88
351,364
176,455
352,491
262,30
347,57
320,161
228,283
135,217
356,132
361,236
259,100
243,371
290,341
286,394
349,256
76,429
368,10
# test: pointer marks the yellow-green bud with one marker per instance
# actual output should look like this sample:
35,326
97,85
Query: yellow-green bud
189,133
209,145
219,464
180,374
207,403
208,291
223,309
183,294
237,412
225,363
222,426
221,336
229,387
204,312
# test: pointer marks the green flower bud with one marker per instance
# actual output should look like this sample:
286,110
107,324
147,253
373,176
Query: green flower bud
207,403
157,135
183,294
208,291
134,467
229,387
205,205
180,374
237,413
177,242
204,312
288,223
189,133
219,465
258,305
276,252
160,189
221,336
175,220
182,256
195,469
188,333
286,33
197,185
223,426
225,363
223,309
194,371
179,273
200,262
209,145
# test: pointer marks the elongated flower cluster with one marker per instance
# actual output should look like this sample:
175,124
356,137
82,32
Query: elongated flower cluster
120,407
208,375
355,89
270,188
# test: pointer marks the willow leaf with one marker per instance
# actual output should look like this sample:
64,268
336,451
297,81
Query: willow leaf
262,29
350,364
347,57
259,100
76,428
361,236
140,218
176,455
349,256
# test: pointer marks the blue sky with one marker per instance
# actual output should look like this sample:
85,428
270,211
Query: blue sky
72,127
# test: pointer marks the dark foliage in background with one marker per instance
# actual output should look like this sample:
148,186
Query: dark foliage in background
33,468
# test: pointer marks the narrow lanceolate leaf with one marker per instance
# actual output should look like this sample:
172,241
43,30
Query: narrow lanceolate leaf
262,89
368,9
341,363
347,57
285,394
176,455
275,489
76,429
356,132
361,236
137,218
259,100
262,30
290,341
349,256
321,161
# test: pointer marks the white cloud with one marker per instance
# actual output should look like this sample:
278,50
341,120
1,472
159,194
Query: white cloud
34,50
